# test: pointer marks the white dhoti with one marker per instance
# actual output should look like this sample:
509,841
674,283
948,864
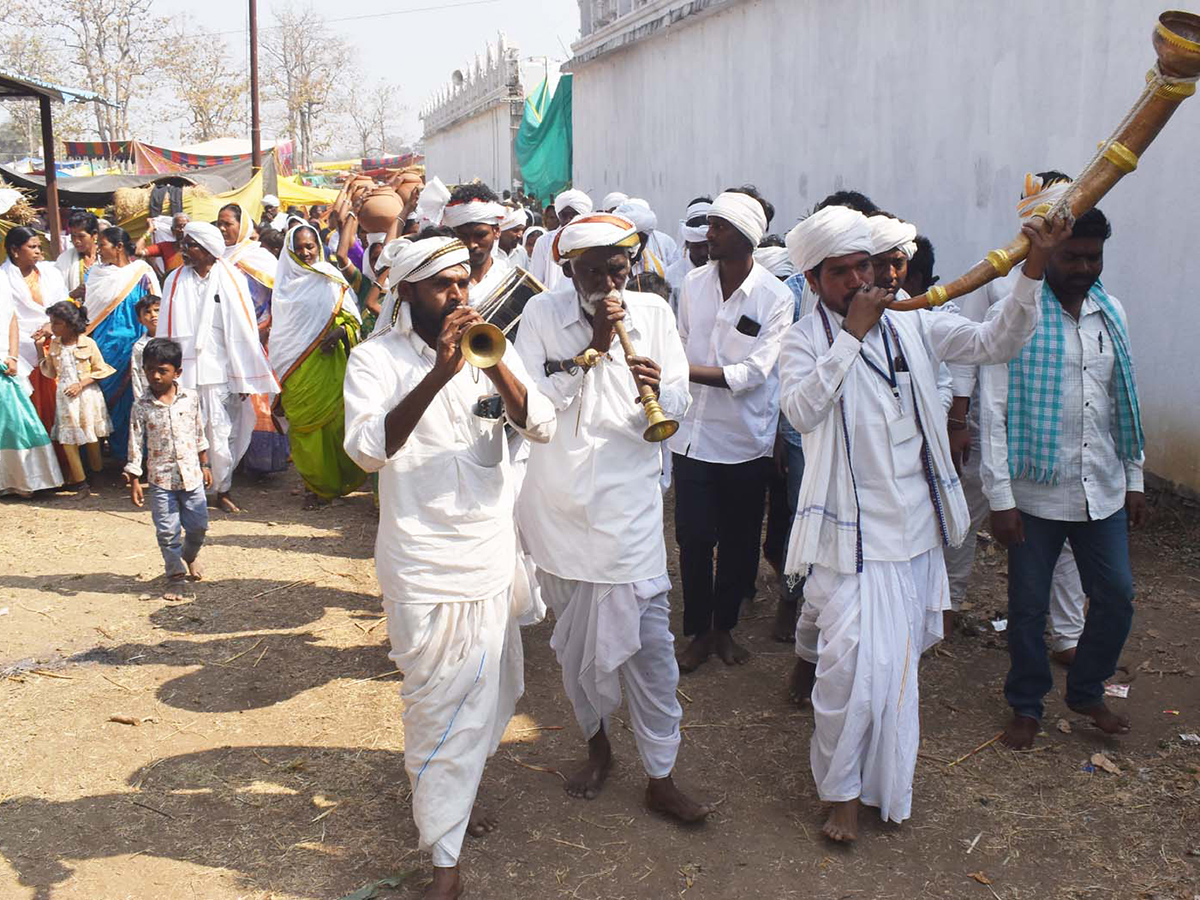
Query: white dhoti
609,632
866,634
463,674
228,426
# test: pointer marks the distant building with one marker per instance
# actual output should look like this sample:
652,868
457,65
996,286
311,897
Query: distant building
471,124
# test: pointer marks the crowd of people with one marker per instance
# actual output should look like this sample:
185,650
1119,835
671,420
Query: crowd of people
872,443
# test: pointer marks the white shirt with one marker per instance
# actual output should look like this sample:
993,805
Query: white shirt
137,370
496,273
676,272
661,250
212,365
738,423
446,527
542,265
590,507
1092,478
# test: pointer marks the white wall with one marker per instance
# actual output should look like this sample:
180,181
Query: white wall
935,109
479,147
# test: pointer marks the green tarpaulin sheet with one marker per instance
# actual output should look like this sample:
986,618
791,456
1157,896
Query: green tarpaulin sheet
544,141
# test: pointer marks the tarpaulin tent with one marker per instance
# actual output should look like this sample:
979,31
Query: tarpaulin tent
544,141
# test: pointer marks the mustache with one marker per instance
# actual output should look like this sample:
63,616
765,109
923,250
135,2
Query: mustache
591,301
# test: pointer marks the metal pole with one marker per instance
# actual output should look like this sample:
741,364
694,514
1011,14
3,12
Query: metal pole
255,122
52,220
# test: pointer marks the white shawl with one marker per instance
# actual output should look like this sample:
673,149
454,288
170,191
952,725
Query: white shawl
305,301
109,285
826,530
31,315
250,256
68,265
187,314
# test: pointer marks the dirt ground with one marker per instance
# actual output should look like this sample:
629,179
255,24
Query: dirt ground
267,759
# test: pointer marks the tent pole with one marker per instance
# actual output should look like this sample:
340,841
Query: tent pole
52,219
255,123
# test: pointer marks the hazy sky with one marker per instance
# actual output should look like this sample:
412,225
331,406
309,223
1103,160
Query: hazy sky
415,44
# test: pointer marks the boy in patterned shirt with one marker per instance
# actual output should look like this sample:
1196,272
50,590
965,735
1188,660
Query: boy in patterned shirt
168,418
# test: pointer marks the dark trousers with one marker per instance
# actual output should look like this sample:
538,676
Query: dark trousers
719,507
1102,551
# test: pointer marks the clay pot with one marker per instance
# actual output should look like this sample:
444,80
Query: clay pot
380,209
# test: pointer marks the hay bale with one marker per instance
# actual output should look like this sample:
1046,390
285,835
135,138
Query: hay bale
132,202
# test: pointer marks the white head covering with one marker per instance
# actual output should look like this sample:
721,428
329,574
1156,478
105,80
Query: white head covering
375,237
270,200
576,200
302,304
892,234
516,218
775,260
431,204
612,200
598,230
469,212
832,231
160,229
638,211
530,232
743,212
207,236
695,234
1037,194
414,261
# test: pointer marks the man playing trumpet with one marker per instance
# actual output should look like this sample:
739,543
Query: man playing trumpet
446,548
590,509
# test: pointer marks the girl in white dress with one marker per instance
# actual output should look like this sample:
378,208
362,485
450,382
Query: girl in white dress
81,418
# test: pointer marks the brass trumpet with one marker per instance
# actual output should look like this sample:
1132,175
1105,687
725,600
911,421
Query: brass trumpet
660,427
483,345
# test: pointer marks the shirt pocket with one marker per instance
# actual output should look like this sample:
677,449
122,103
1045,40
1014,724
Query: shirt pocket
734,346
487,441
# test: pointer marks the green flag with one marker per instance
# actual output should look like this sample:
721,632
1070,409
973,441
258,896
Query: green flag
544,141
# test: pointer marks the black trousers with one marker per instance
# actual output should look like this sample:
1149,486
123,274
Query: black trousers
718,506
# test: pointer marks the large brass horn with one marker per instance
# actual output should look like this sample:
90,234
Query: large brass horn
1173,79
483,345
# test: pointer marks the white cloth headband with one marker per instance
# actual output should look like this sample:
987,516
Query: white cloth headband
599,230
695,234
775,260
207,236
485,212
892,234
576,200
832,231
515,219
638,211
414,261
743,212
612,200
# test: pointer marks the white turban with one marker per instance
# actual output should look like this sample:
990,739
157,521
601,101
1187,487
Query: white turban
430,205
599,230
638,211
695,234
207,236
612,200
160,228
270,200
743,212
375,237
414,261
470,212
892,234
576,200
1037,194
832,231
775,260
516,218
535,231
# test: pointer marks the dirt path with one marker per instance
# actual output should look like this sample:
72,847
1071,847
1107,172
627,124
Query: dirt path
267,762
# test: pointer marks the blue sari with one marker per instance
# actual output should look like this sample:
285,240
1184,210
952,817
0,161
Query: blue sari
115,333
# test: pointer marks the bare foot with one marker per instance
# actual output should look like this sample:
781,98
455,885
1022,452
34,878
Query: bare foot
842,824
196,570
446,885
800,685
1063,657
1020,732
696,653
225,501
784,629
1104,718
662,796
730,652
589,778
480,823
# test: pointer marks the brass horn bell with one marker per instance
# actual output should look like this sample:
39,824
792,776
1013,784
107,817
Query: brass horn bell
483,345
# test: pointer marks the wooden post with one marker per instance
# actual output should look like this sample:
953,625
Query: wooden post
52,219
255,123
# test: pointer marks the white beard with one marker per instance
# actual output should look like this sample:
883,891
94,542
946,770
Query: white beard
589,302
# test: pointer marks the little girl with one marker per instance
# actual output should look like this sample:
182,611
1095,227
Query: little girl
74,359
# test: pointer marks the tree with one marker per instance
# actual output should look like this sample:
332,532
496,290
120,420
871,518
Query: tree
29,50
111,44
307,65
373,113
209,90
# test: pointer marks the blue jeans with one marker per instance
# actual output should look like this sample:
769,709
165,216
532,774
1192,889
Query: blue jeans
173,511
1102,551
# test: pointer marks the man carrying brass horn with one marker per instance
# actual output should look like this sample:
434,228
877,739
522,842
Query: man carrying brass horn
446,551
590,509
878,501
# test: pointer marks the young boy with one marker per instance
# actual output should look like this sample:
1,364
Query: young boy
168,418
147,313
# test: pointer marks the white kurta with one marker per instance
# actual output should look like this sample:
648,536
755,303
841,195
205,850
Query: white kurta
542,265
496,273
591,515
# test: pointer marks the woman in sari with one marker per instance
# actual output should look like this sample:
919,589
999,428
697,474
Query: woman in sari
316,322
111,293
268,452
34,286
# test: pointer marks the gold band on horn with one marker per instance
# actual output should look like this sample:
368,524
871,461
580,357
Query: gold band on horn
1121,157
